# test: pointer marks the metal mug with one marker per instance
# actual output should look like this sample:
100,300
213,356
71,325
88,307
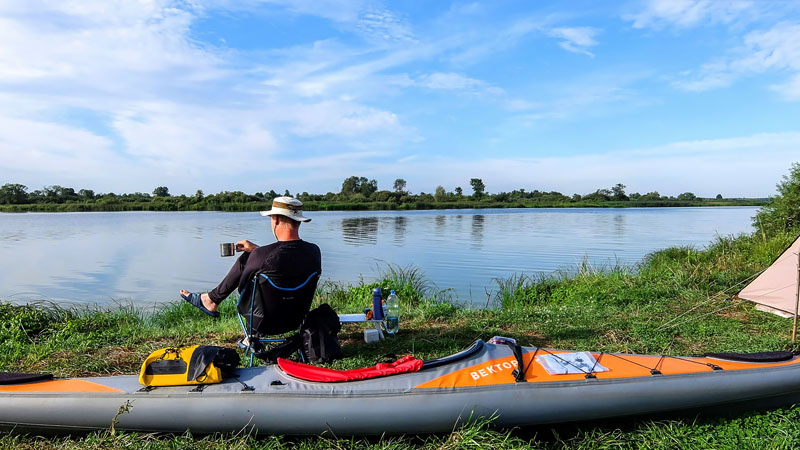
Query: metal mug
227,249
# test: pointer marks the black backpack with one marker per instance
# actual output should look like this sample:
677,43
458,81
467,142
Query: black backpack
319,332
317,338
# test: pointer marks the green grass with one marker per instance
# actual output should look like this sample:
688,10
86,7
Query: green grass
677,301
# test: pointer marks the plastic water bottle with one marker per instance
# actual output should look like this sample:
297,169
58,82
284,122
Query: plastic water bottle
392,313
377,307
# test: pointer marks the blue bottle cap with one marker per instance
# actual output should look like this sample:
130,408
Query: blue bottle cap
392,292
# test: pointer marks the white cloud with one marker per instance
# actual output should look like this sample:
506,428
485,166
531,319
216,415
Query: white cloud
101,46
471,47
176,109
774,50
339,11
368,18
456,82
790,89
167,136
386,25
517,105
335,118
688,13
49,147
576,39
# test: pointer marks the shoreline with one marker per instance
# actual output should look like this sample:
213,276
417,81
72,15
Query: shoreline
184,205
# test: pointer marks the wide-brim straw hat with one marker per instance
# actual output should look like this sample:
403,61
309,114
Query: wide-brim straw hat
287,206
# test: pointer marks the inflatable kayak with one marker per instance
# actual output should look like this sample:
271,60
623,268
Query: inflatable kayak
515,386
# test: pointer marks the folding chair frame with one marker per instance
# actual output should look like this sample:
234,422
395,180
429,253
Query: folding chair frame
249,348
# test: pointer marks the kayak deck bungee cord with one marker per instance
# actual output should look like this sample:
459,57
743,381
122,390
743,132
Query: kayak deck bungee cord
511,385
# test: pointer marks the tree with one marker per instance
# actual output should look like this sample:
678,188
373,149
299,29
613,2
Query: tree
439,194
718,197
358,185
383,196
600,195
86,194
67,194
782,213
687,196
198,195
651,196
52,193
13,194
350,186
477,187
400,185
161,191
368,187
58,194
286,193
618,192
459,191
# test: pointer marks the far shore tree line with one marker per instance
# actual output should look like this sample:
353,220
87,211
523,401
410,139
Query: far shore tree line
355,193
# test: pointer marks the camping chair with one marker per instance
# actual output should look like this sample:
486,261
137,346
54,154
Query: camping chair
269,308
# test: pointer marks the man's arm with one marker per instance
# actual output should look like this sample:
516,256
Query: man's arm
245,246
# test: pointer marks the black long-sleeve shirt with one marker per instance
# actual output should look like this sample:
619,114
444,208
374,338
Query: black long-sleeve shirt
287,263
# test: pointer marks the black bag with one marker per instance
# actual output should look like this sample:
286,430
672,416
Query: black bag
319,333
227,359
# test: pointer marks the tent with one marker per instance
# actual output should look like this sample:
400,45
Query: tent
775,290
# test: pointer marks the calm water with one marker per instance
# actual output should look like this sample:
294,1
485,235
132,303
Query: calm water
146,257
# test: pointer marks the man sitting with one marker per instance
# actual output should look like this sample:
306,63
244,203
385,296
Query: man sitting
290,258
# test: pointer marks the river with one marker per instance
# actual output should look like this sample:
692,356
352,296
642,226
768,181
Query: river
144,258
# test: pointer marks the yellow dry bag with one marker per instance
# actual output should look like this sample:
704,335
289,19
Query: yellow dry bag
187,365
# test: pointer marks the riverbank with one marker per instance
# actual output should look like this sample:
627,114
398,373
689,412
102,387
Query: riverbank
675,302
182,203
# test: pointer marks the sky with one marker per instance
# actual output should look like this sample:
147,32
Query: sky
252,95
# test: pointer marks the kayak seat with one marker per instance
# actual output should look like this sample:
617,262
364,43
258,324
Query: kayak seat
307,372
754,357
18,378
271,306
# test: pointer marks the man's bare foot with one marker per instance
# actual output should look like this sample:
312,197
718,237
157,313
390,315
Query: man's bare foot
211,306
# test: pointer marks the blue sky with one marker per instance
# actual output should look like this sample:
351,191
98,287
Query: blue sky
665,95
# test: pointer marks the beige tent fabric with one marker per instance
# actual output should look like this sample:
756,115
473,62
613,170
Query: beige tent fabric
776,287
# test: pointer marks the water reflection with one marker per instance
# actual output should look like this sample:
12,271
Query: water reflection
161,230
619,225
400,224
477,231
13,235
439,223
360,230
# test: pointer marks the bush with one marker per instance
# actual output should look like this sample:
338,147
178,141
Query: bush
782,213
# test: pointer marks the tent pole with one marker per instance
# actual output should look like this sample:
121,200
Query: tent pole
797,304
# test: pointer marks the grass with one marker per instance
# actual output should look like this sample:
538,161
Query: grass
677,301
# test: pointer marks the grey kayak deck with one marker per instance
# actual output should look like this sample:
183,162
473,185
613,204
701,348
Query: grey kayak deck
432,400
